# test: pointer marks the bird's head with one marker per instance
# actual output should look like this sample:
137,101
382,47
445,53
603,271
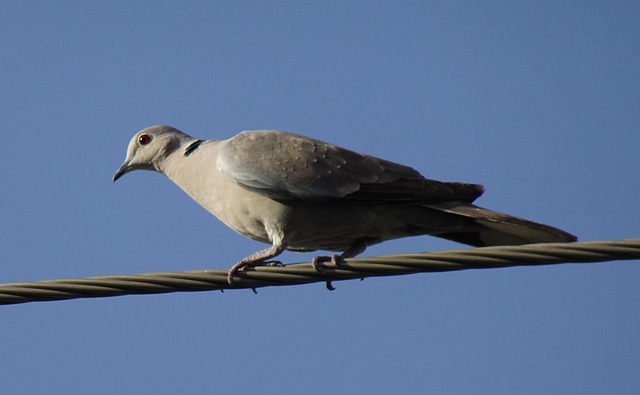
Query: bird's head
149,147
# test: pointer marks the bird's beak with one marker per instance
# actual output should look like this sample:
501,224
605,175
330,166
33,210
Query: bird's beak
124,169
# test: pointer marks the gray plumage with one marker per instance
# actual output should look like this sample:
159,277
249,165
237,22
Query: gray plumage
302,194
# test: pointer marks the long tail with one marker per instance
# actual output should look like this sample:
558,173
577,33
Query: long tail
493,229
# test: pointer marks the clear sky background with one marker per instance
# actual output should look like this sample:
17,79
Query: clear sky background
539,101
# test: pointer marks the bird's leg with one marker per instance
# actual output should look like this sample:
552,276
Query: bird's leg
255,259
356,249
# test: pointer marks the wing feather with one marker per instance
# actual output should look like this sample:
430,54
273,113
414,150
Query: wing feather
285,165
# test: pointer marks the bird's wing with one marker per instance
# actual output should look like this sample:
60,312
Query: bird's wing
284,165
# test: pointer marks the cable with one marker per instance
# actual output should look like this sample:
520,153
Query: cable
304,273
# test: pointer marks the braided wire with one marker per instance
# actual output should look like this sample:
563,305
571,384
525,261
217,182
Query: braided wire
303,273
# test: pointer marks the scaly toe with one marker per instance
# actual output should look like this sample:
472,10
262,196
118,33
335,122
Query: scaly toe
317,263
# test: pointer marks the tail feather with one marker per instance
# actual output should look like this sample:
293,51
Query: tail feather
493,228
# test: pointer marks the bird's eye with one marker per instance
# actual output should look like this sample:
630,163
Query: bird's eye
144,139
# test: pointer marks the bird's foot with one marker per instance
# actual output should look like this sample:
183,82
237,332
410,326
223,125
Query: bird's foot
235,269
318,261
244,265
318,264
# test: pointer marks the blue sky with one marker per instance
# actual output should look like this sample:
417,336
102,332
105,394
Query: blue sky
538,101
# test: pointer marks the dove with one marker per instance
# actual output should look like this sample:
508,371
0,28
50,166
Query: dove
301,194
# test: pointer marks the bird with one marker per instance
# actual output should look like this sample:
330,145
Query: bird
302,194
